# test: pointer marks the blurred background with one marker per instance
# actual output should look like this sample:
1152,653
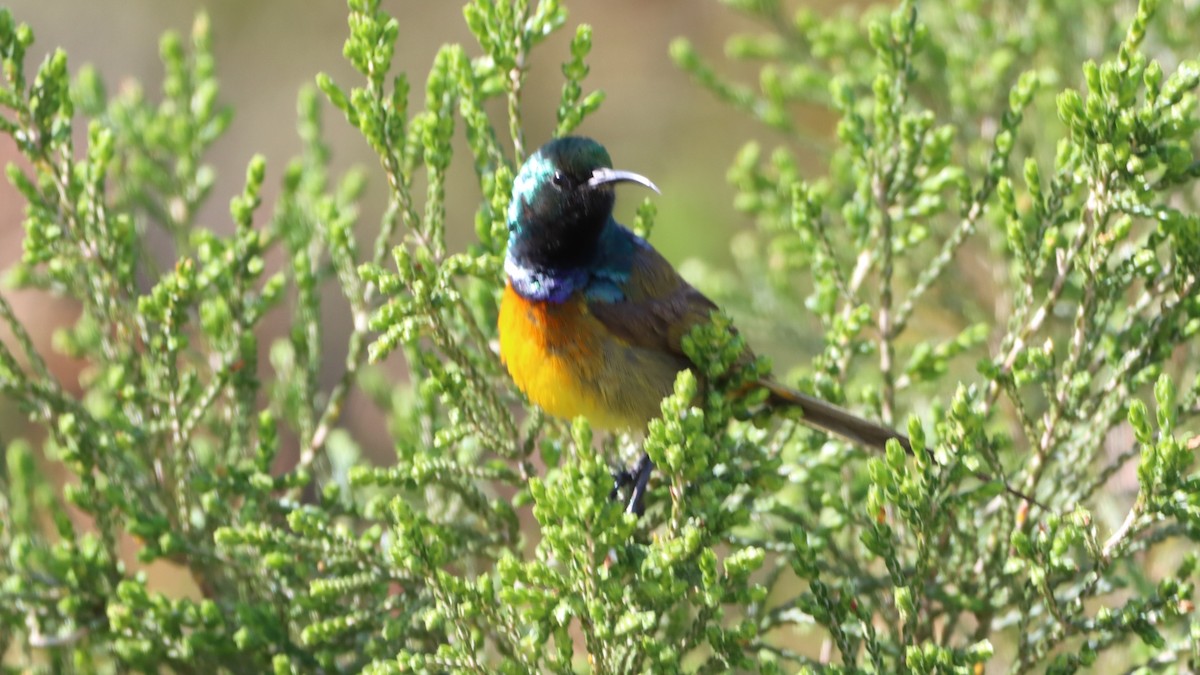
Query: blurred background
654,121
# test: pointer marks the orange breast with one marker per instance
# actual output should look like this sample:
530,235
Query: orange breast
555,354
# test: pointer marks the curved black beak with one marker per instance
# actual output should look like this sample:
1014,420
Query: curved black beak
602,176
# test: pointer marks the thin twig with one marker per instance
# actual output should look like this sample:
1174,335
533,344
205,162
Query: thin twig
1065,267
1120,533
886,335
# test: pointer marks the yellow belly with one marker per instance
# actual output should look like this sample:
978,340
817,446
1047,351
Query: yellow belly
565,361
553,355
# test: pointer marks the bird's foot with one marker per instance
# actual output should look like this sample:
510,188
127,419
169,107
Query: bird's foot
639,478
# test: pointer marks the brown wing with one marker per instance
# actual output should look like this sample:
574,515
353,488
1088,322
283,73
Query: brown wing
659,306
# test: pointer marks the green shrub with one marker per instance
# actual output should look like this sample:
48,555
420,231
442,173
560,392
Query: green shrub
1050,147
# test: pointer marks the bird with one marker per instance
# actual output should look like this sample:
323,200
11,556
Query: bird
592,318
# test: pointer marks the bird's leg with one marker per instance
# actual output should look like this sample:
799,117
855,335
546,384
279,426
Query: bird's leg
641,478
638,477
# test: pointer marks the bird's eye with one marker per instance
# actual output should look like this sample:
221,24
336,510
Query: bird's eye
560,180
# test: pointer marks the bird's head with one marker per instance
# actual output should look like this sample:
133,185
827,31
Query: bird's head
561,202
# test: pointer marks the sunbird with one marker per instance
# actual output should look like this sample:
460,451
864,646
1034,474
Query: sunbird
592,318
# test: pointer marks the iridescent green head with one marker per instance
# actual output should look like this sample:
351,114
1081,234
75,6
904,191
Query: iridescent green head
562,200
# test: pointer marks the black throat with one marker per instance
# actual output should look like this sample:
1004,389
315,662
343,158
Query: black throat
562,235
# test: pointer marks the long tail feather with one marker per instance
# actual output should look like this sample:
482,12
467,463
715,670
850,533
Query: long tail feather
823,415
818,413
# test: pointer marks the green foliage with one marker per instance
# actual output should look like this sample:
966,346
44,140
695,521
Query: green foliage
1060,161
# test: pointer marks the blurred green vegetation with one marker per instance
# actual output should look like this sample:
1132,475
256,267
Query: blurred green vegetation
277,436
266,50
